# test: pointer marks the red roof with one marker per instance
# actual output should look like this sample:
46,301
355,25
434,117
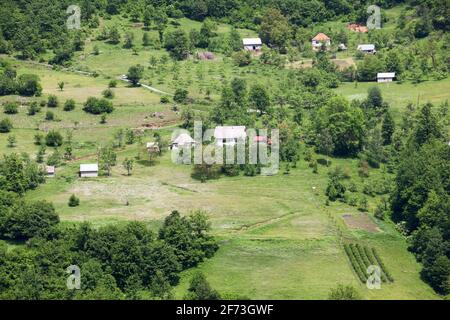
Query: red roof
321,37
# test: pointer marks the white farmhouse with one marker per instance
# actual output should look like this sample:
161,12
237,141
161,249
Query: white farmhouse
321,40
252,44
367,48
89,170
385,77
229,135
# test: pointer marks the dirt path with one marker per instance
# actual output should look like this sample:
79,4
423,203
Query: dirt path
148,87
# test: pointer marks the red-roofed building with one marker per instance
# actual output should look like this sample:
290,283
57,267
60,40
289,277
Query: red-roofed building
357,28
321,40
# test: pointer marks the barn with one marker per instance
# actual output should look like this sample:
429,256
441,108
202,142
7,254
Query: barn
385,77
367,48
252,44
89,170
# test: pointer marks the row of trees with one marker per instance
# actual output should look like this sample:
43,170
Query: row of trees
115,262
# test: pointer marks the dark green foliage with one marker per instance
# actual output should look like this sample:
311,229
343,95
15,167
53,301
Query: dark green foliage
200,289
98,106
33,108
11,107
345,124
52,101
335,189
74,201
53,139
177,43
135,74
27,219
49,116
69,105
189,237
19,174
387,128
180,96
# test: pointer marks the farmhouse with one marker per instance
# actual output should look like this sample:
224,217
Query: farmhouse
50,171
252,44
385,76
183,140
229,135
321,40
152,147
89,170
367,48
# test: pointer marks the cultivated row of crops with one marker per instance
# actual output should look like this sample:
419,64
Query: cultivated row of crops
361,257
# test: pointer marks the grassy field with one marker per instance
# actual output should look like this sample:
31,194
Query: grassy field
278,239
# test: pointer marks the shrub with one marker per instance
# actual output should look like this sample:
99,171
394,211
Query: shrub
33,108
98,106
49,116
73,201
180,95
54,139
52,101
11,108
242,58
69,105
5,125
165,99
112,84
108,94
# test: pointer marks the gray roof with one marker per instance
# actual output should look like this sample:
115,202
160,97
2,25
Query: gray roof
386,75
88,167
251,41
366,47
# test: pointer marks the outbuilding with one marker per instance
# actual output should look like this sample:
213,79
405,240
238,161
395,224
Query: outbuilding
252,44
89,170
367,48
50,171
385,77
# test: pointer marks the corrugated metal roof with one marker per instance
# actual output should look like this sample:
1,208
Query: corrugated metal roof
89,167
366,47
251,41
386,75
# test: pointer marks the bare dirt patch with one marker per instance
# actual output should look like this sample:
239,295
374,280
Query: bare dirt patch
360,221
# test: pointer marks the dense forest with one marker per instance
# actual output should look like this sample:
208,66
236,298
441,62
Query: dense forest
120,261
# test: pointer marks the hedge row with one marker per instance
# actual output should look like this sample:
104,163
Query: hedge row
382,266
354,260
374,261
361,257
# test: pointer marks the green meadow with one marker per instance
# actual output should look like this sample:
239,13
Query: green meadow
278,238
